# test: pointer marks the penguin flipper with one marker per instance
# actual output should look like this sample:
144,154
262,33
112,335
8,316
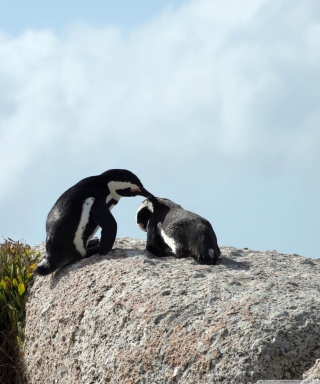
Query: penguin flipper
152,244
92,247
92,251
103,217
155,250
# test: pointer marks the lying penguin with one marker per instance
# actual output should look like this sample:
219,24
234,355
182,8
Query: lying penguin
171,230
80,212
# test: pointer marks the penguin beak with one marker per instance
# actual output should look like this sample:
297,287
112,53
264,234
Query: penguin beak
145,193
141,191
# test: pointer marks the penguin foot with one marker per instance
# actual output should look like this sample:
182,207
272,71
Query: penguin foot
93,242
44,268
209,259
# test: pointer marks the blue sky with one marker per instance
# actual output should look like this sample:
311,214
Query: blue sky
58,16
213,104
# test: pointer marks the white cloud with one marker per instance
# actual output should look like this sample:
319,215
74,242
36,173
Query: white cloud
216,81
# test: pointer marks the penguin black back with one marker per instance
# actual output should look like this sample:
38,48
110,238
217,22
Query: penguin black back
80,212
171,230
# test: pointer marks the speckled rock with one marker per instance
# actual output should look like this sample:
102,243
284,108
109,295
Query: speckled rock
313,374
133,318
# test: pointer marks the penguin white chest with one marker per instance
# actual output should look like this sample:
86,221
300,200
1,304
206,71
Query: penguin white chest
84,219
167,239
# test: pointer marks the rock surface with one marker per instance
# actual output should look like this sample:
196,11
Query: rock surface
313,373
134,318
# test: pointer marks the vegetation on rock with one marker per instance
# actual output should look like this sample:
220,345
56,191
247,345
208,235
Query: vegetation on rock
17,261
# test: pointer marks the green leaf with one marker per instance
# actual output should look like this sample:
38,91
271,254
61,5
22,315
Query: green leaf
4,284
17,299
17,262
2,297
21,289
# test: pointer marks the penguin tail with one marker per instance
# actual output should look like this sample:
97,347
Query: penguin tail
214,254
44,268
212,257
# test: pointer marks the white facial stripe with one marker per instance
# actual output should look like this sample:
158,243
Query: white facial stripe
168,240
78,239
114,185
110,196
146,203
142,205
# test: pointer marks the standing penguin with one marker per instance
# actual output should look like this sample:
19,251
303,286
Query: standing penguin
171,230
80,212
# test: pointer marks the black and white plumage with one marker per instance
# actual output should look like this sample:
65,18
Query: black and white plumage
80,212
171,230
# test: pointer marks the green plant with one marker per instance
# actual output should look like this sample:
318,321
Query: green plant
17,261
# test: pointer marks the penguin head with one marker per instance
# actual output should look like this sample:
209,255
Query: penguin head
145,211
123,183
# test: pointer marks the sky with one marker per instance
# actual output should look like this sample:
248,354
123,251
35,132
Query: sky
214,104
